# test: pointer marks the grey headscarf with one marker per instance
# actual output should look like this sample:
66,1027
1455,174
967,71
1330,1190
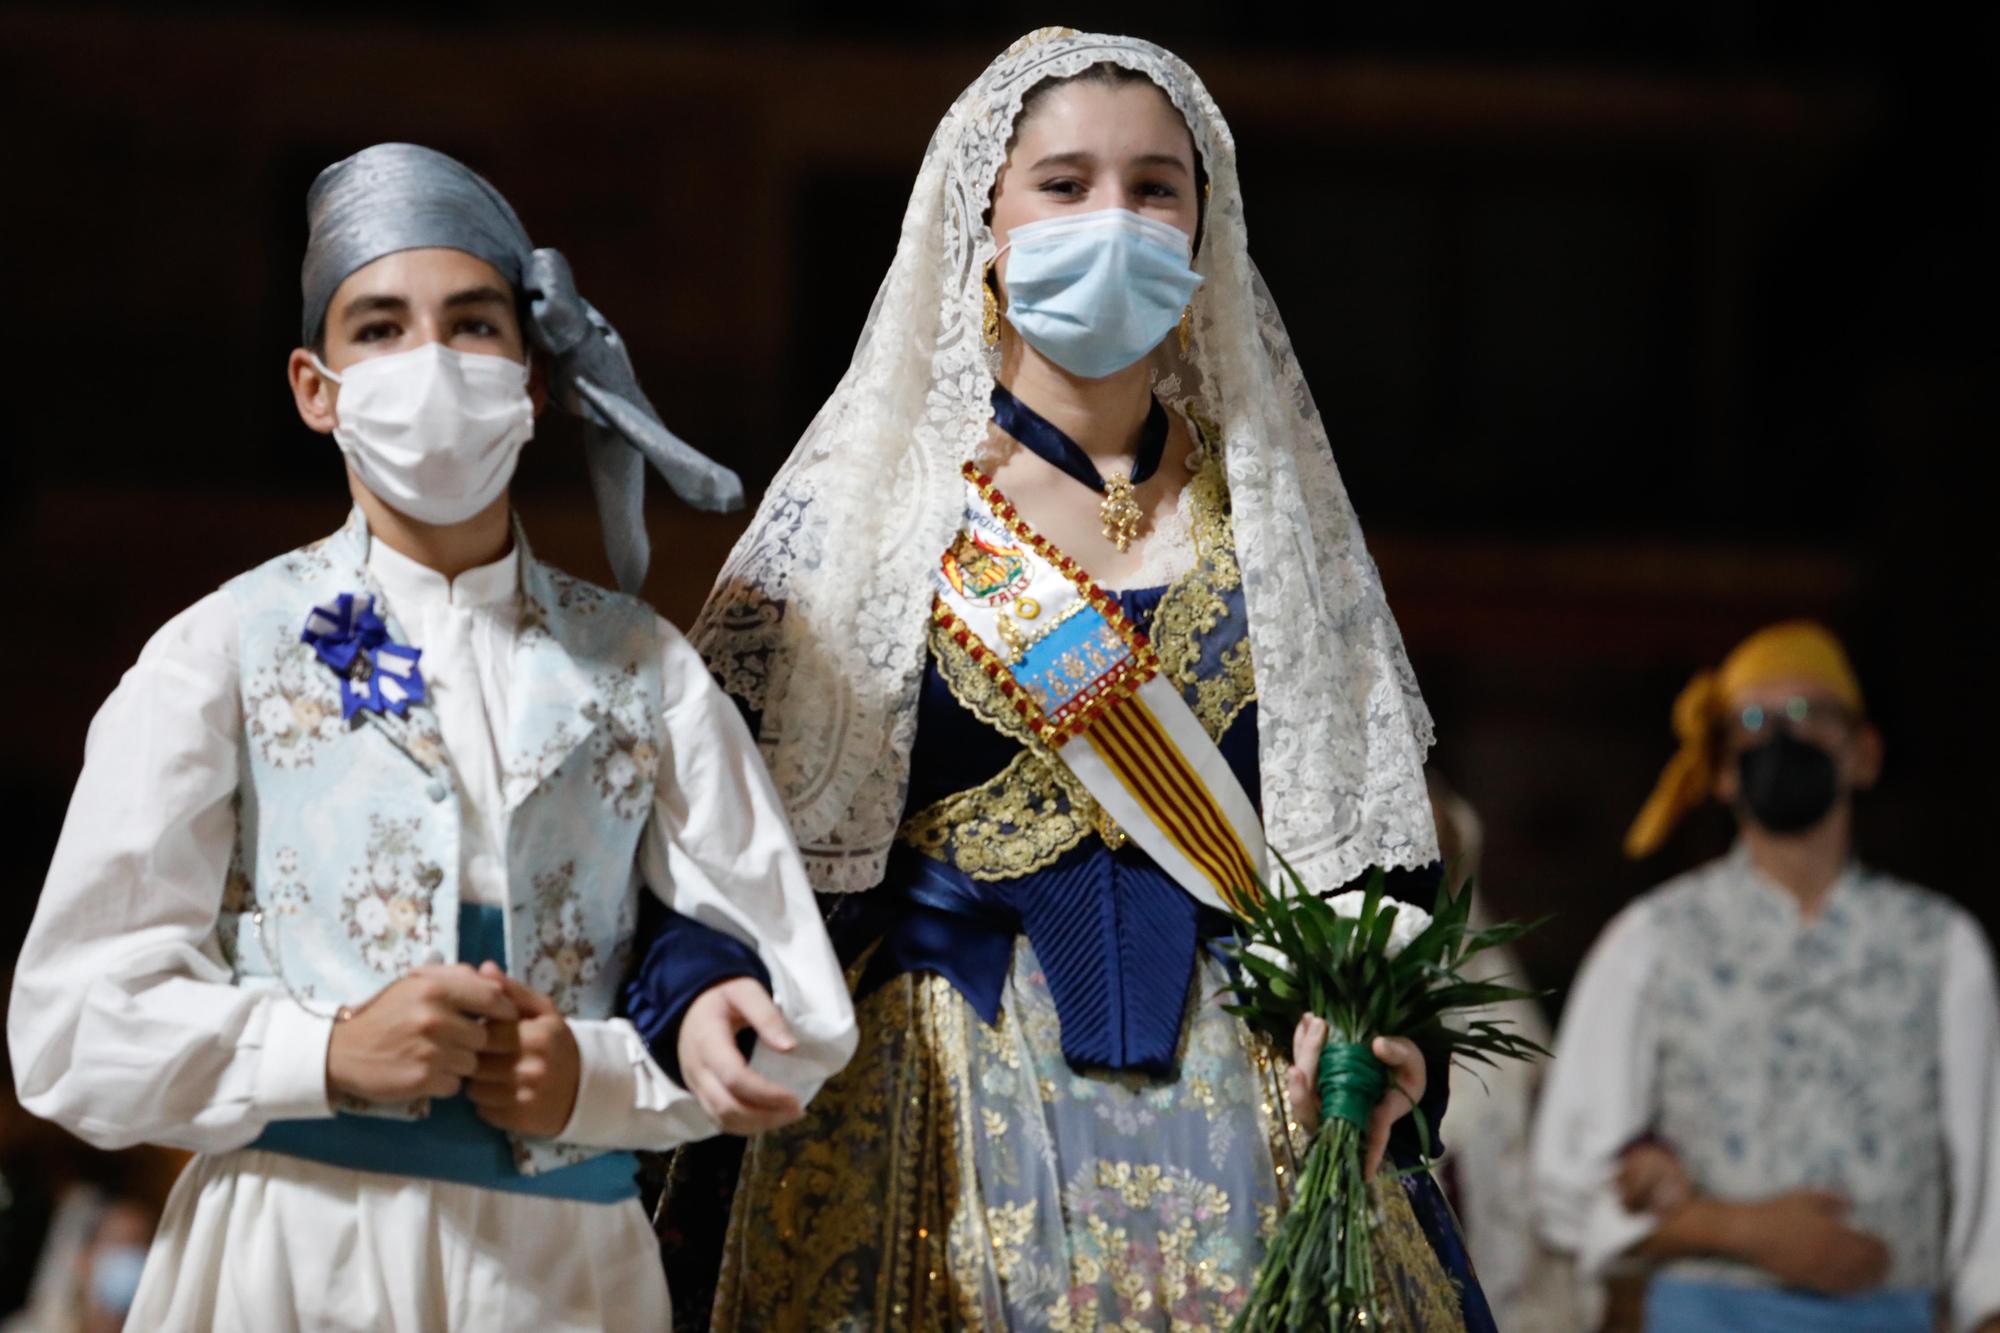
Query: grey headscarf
399,196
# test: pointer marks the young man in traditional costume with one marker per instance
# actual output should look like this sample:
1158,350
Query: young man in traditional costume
355,860
1778,1075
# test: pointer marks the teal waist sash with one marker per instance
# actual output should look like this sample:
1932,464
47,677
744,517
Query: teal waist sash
452,1143
1686,1305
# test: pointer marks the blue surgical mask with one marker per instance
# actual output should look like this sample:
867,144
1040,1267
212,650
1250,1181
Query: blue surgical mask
1094,292
114,1277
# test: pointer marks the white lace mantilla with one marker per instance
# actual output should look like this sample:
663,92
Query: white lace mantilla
818,620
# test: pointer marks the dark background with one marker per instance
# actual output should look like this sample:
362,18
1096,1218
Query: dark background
1633,332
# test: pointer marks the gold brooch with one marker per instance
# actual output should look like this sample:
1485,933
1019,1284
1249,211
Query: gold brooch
1120,512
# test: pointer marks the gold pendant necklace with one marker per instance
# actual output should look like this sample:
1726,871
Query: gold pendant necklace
1120,512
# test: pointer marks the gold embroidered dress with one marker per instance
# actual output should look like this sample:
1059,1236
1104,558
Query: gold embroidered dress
1051,1122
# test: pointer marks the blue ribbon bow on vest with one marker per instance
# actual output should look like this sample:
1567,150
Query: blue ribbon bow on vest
374,673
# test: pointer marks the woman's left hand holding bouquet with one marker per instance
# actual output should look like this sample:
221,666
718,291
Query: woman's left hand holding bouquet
1405,1090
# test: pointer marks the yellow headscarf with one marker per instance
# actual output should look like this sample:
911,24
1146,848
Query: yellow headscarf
1795,650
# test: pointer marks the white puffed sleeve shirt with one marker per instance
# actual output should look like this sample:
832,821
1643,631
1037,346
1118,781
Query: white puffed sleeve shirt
124,1025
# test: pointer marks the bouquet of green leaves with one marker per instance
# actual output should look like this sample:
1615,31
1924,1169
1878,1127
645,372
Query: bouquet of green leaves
1370,966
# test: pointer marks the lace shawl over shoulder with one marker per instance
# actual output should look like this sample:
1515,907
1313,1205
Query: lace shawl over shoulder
819,620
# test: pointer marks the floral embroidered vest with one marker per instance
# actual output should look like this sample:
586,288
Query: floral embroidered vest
1806,1056
347,857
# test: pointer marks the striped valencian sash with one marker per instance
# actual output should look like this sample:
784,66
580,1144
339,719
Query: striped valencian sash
1084,678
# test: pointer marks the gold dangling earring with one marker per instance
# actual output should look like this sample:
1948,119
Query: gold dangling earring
1185,329
989,324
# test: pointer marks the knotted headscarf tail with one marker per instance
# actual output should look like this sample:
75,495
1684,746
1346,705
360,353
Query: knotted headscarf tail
1794,650
399,196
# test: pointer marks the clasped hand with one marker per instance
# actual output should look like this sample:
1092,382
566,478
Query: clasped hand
1802,1237
450,1027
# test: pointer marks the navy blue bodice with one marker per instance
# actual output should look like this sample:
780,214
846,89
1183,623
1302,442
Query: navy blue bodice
1115,935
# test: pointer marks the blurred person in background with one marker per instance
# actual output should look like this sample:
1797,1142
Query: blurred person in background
1486,1173
1777,1080
89,1266
74,1222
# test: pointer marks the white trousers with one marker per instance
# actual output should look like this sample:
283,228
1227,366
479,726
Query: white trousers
263,1242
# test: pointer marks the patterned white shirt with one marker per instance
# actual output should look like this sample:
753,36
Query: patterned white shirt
1857,1051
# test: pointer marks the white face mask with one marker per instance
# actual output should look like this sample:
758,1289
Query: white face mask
1094,292
434,432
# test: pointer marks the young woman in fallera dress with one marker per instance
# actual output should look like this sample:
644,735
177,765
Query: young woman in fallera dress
1074,467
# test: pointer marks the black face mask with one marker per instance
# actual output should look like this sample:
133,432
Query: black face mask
1788,784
